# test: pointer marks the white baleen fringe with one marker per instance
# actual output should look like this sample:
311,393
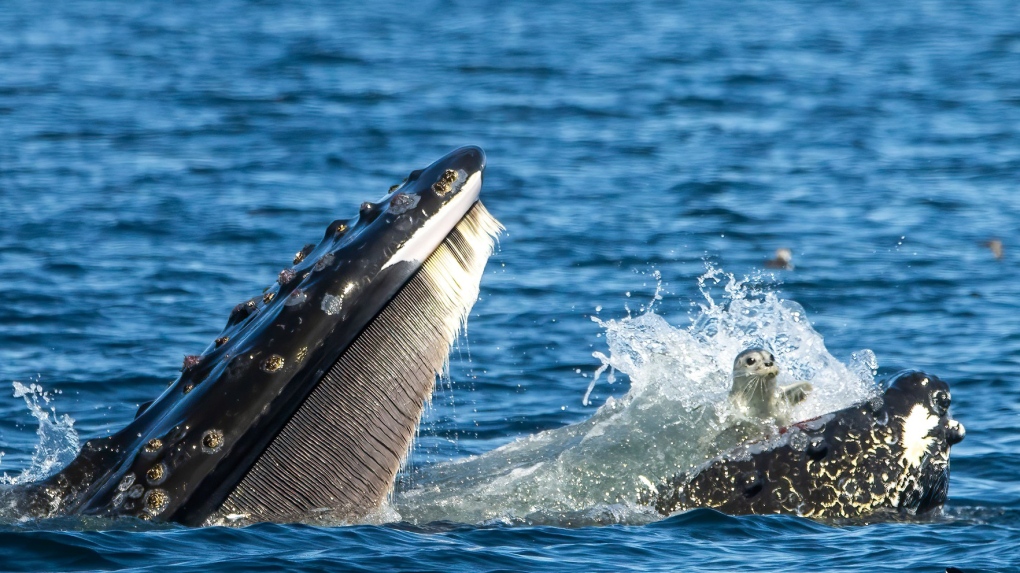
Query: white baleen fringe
454,270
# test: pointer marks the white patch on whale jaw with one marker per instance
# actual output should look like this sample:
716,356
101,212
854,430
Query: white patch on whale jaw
917,437
426,239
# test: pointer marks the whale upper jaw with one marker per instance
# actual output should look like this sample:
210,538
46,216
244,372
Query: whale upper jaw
310,396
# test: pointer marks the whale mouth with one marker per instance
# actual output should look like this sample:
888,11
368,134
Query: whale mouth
338,454
308,401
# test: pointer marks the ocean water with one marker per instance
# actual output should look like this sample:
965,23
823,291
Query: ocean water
160,162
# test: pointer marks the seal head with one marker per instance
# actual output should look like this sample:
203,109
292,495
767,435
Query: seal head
754,393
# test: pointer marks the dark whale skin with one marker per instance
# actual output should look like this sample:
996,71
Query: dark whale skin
184,453
889,455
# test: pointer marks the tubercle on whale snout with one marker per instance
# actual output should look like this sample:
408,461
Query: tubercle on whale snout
339,247
889,454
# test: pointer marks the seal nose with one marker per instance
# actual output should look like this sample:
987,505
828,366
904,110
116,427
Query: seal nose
955,433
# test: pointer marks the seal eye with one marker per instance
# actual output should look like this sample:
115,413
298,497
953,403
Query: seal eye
750,360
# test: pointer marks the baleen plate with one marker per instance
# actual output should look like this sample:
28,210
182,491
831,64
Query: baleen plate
336,458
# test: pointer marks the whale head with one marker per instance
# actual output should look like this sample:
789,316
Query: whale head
308,400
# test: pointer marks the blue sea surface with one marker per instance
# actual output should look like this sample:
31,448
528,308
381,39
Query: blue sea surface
162,161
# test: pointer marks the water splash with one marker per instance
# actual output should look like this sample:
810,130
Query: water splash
674,417
58,440
693,366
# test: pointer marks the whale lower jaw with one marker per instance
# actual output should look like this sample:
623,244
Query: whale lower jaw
337,457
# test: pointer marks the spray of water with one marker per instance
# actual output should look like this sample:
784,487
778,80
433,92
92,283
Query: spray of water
674,417
58,440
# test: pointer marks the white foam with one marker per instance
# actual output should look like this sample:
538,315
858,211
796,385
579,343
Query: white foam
58,440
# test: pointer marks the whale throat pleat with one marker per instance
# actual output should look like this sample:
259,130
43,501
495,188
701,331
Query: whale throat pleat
336,458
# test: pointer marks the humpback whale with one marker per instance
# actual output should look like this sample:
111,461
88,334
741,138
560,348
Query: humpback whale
308,400
306,404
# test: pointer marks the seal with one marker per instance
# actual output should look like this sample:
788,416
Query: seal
754,392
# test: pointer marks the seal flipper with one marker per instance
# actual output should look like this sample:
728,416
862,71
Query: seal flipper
795,393
339,453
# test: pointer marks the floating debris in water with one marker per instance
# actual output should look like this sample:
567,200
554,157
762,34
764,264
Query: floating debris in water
783,260
995,245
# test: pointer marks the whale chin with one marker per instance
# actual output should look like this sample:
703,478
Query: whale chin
306,404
